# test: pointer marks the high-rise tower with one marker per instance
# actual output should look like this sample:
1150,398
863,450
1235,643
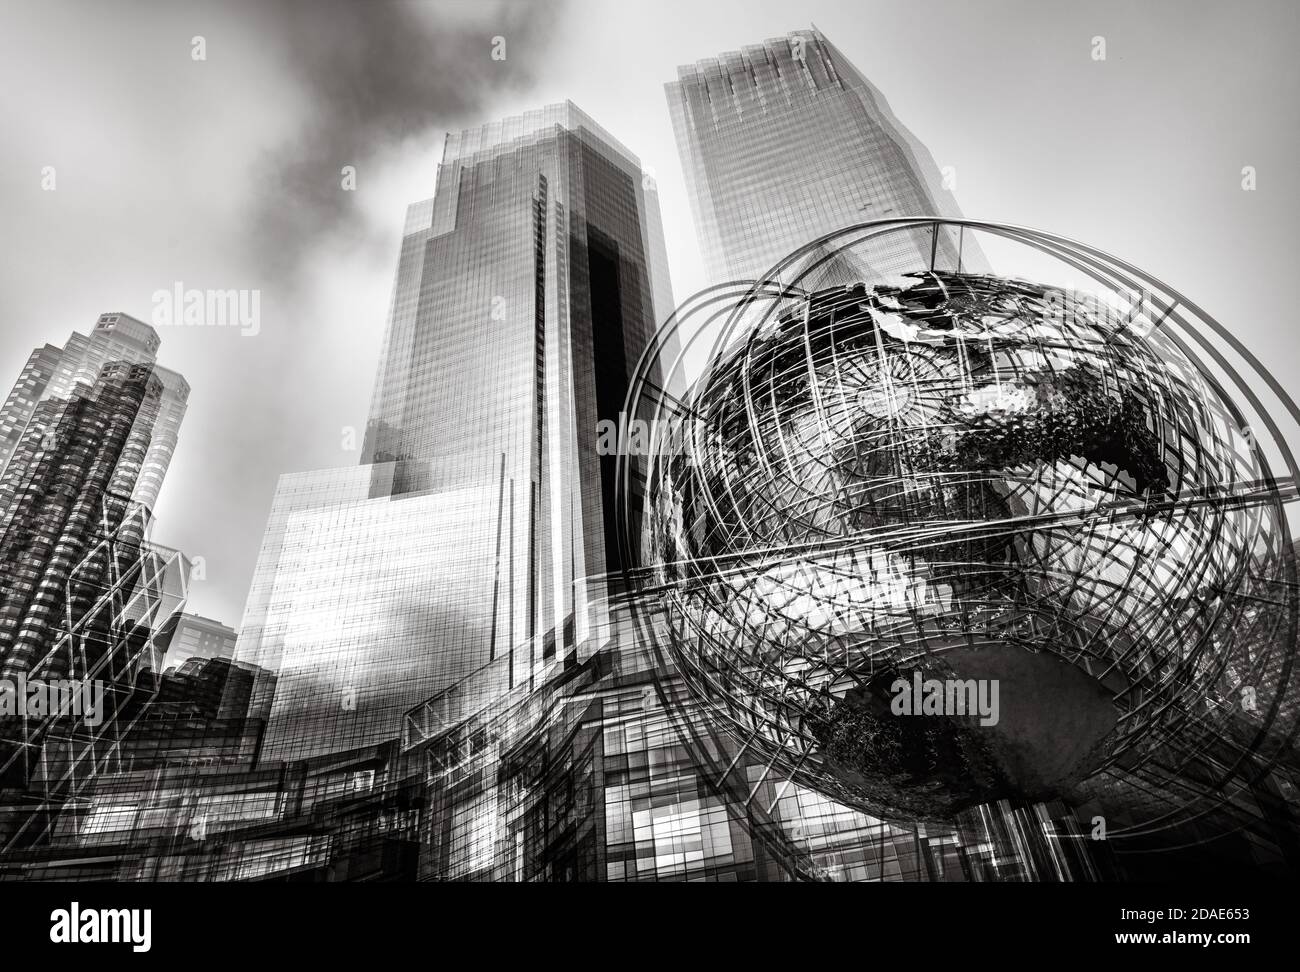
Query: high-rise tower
86,436
480,524
53,373
786,141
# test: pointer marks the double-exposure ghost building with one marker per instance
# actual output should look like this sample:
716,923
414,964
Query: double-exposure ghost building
446,668
475,530
87,600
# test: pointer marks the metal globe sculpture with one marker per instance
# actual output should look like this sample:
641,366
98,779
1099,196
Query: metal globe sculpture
919,487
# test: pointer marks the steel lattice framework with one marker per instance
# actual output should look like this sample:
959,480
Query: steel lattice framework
885,474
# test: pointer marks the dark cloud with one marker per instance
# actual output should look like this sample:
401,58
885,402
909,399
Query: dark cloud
378,73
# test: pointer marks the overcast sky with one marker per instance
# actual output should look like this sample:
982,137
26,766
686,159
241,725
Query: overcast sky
224,173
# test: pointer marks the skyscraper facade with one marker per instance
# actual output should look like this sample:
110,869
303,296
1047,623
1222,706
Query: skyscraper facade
786,141
88,433
480,524
54,373
519,311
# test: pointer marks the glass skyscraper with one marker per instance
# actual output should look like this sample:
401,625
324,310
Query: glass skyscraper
86,436
480,524
786,141
55,374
